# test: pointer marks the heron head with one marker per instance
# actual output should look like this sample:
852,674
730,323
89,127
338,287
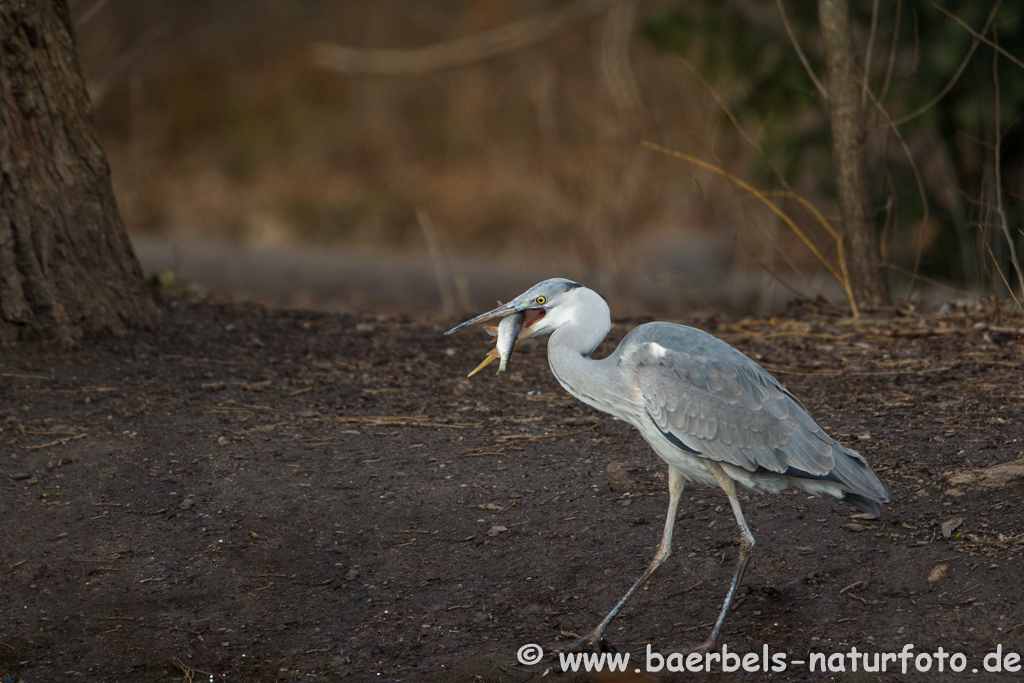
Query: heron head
537,302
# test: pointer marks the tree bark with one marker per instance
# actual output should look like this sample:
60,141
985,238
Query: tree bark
846,118
66,266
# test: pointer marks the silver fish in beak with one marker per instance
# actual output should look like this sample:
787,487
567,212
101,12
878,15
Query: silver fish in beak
507,334
517,319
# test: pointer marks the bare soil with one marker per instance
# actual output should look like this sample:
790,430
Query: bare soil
251,494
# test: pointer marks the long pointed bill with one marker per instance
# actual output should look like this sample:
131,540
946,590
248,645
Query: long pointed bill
499,312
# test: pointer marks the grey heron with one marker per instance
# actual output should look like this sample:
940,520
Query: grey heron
712,414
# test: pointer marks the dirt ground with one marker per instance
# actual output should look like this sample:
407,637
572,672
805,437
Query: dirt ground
250,494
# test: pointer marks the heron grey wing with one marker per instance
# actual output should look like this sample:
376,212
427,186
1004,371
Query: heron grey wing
726,407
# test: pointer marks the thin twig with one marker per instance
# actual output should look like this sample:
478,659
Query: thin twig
837,274
811,208
1002,276
926,211
441,274
461,51
777,249
401,421
732,118
739,128
978,39
868,53
188,672
890,68
800,53
999,190
58,442
981,36
538,437
773,272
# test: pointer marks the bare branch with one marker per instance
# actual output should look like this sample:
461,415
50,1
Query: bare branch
917,177
840,274
978,39
868,53
754,144
891,66
461,51
614,55
981,36
441,273
1000,210
800,53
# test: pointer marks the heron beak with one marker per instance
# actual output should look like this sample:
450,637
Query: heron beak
499,312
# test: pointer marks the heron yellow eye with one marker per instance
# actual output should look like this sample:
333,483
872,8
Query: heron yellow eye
541,300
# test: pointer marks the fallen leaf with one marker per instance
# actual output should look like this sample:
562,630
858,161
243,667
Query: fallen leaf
950,525
853,526
940,571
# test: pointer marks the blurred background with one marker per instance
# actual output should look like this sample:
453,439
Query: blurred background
441,155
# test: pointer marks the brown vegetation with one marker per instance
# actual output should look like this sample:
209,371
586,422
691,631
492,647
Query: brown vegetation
229,129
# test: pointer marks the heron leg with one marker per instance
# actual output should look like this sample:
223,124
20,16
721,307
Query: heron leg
675,490
746,548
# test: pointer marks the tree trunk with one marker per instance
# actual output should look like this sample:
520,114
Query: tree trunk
66,267
846,117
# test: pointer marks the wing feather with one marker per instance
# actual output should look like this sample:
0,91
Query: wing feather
731,410
707,397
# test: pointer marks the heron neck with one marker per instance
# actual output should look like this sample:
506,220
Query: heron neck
592,381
